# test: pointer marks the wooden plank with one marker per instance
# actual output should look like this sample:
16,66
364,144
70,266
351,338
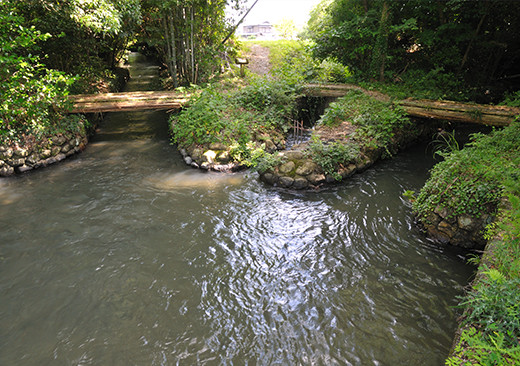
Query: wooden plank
131,101
436,109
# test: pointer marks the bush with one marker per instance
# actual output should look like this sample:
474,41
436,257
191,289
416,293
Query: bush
377,121
32,95
332,156
471,181
274,100
258,110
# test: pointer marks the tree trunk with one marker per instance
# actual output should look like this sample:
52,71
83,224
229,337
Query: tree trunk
173,53
381,46
477,31
192,46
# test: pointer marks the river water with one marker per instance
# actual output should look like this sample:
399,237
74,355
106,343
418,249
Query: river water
125,256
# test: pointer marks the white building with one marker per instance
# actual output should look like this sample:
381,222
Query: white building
264,30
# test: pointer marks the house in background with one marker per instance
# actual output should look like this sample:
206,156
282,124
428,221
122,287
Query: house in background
259,31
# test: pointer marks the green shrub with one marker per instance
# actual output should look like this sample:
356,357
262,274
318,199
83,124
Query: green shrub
376,121
255,157
330,157
475,348
292,61
471,181
273,99
32,95
512,99
494,306
263,108
201,122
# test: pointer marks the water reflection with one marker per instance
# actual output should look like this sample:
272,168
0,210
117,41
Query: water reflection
193,179
124,255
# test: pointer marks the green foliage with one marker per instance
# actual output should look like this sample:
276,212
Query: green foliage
471,181
495,306
260,109
274,99
433,45
292,61
444,143
409,195
265,161
331,156
83,34
434,83
255,157
32,95
202,122
487,350
492,307
492,325
376,121
493,321
512,99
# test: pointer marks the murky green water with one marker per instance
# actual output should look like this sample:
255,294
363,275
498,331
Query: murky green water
124,256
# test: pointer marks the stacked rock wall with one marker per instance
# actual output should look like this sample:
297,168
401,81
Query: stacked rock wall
20,159
463,231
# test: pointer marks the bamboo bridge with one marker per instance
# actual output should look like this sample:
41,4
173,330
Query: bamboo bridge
170,100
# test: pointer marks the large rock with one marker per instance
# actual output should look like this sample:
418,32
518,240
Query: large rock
300,183
269,178
316,179
286,182
287,167
6,170
466,222
6,153
210,156
307,168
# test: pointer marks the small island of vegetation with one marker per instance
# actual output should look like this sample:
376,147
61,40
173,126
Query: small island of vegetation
459,50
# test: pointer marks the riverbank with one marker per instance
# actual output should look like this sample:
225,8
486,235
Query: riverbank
16,159
47,143
489,330
472,200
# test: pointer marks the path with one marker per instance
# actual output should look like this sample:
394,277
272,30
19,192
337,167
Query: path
258,57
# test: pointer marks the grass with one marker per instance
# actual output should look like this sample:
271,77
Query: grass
292,60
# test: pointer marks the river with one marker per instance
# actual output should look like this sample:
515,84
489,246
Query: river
123,255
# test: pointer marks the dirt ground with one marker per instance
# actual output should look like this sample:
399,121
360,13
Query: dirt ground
259,60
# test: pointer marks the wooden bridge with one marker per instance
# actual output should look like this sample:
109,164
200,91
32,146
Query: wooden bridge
435,109
130,101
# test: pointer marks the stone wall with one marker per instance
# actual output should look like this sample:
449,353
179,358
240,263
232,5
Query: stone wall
298,171
463,231
20,159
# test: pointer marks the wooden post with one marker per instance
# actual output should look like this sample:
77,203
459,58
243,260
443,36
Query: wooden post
242,62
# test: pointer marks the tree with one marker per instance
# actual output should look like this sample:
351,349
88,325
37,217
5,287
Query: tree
188,36
477,41
286,28
29,92
84,34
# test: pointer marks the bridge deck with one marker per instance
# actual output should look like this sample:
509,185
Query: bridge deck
436,109
130,101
